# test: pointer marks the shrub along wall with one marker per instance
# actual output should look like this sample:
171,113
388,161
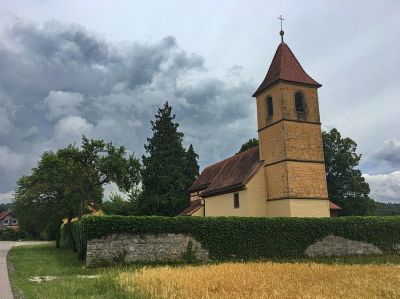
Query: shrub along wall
250,238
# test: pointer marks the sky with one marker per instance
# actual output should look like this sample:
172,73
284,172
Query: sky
103,68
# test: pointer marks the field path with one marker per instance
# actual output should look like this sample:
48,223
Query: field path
5,288
5,246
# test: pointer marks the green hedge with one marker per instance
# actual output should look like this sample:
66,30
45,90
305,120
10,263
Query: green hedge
249,238
76,235
9,234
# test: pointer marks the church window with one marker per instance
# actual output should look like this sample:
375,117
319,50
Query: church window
299,102
236,200
270,107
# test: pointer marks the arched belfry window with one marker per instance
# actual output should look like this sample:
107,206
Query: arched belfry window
299,102
270,107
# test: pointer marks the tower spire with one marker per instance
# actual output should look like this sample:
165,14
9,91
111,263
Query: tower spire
281,32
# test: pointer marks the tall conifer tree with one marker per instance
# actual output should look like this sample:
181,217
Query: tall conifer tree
165,168
192,168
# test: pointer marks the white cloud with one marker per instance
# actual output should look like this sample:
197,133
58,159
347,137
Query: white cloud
385,187
72,127
6,197
10,161
61,103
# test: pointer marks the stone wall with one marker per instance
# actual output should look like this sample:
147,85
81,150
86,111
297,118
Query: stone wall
126,248
338,246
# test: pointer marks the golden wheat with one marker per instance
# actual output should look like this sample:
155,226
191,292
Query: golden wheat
265,280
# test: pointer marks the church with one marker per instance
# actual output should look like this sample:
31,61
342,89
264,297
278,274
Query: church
285,175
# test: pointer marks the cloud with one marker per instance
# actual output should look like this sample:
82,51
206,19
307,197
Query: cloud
60,81
385,187
71,127
5,124
389,153
6,197
61,103
10,161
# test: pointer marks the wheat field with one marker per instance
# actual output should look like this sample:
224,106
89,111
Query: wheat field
264,280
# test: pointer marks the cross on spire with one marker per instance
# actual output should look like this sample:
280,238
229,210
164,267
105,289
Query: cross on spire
281,32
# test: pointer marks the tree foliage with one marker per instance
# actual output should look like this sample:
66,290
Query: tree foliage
248,145
168,169
68,183
346,185
118,205
192,167
5,207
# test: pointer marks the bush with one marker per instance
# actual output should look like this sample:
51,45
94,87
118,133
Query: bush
79,243
9,234
249,238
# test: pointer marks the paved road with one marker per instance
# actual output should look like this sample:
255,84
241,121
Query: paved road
5,246
5,289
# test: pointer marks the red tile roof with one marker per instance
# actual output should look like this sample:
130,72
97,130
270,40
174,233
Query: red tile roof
332,206
228,175
286,67
206,176
194,206
5,213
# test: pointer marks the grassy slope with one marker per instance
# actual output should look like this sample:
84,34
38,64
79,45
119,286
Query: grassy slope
45,260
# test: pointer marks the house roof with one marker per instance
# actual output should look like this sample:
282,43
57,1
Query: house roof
5,213
194,206
286,67
228,175
332,206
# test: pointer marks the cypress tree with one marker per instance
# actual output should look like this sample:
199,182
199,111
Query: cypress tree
164,175
192,168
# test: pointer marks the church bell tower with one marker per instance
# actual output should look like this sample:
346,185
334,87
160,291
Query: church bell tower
290,141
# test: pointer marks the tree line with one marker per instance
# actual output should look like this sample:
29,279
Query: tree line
70,182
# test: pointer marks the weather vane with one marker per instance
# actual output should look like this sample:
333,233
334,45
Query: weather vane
281,32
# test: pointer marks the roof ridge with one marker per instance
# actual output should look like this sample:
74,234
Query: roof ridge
294,56
230,157
254,148
286,67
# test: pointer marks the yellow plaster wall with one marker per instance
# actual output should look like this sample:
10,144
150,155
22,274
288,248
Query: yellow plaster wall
298,208
307,180
199,212
277,180
256,194
303,141
283,101
309,208
278,208
251,200
222,205
272,143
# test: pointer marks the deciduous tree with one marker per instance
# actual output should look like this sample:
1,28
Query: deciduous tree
346,185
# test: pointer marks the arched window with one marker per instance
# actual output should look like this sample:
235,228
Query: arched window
299,102
270,107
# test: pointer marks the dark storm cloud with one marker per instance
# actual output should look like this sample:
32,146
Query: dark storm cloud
58,82
389,153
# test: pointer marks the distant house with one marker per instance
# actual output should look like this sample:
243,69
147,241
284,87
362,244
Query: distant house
8,219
